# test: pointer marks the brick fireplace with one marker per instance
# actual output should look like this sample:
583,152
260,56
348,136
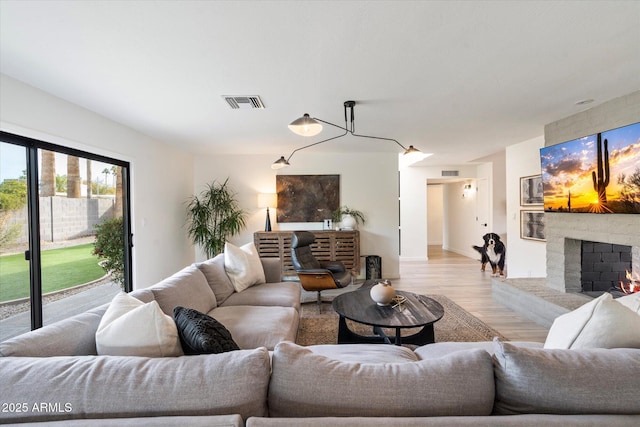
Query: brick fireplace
566,233
604,266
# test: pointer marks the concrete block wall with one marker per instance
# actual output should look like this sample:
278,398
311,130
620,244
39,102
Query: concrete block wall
566,230
606,116
65,219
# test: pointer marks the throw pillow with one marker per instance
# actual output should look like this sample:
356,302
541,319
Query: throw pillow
601,323
631,301
213,270
202,334
130,327
243,266
188,288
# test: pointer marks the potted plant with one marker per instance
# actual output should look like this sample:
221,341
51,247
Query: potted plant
213,216
348,217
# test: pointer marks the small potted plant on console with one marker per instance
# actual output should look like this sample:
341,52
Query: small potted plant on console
348,218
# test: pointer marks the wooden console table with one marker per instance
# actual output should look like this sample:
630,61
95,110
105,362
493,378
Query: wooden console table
329,245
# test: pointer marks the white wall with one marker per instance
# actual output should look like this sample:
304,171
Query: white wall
162,176
493,168
525,258
413,213
413,207
368,182
435,217
461,231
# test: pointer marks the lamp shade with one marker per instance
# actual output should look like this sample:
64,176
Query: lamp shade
411,150
267,200
280,163
305,126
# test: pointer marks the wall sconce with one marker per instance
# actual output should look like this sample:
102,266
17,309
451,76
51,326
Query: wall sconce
466,192
267,200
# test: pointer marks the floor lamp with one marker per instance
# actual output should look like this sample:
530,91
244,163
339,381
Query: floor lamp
267,200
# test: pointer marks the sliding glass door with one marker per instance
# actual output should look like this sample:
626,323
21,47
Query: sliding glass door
68,240
14,226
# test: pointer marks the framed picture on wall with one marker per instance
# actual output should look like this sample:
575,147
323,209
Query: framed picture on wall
307,198
531,192
532,225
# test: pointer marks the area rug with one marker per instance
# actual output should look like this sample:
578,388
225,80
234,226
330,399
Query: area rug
457,325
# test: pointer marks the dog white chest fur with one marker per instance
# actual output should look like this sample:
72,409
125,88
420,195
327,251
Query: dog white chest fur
491,253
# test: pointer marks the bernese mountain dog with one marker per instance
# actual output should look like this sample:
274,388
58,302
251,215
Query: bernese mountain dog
493,252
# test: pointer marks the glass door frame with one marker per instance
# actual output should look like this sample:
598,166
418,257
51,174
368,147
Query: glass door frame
33,254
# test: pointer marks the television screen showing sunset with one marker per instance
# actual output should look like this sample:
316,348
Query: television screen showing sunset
598,173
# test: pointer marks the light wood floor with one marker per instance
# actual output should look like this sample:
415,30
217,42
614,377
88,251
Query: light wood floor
459,278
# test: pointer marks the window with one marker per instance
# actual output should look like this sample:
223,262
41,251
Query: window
55,203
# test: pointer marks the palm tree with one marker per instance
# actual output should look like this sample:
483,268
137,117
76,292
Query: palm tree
73,177
88,179
106,172
48,174
118,176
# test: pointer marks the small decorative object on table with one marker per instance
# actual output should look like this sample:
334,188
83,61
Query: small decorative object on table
383,293
398,300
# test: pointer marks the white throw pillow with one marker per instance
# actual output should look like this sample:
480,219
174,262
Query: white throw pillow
631,301
130,327
601,323
243,266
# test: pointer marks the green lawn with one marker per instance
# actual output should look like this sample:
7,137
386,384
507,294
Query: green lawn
61,269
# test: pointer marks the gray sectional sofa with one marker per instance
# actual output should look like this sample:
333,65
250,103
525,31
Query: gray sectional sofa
260,316
54,374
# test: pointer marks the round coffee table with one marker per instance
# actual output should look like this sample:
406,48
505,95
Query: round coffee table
416,311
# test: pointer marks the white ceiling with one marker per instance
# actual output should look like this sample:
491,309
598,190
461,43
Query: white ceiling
460,79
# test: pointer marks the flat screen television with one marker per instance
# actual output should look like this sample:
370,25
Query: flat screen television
598,173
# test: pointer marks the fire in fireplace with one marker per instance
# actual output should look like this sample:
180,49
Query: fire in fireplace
632,285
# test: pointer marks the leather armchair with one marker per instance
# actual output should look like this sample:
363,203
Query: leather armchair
316,275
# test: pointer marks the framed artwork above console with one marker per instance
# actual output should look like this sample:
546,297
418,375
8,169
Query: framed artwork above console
307,198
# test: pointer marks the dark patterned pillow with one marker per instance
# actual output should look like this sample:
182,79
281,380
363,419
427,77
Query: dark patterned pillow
202,334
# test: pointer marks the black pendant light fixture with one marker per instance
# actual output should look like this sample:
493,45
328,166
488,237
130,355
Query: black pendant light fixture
310,126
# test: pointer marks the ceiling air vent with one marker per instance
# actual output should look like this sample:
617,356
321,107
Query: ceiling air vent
450,173
244,102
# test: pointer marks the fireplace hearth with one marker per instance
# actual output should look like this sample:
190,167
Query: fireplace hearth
565,236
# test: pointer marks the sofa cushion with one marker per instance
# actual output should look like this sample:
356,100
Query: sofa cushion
117,386
73,336
130,327
305,384
144,294
601,323
632,302
488,421
365,353
272,269
213,270
254,326
163,421
586,381
202,334
439,349
282,294
187,288
243,266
